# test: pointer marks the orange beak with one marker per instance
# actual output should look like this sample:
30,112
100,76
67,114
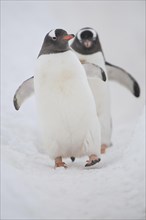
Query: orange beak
68,37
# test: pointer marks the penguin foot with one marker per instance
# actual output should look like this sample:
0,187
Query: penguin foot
103,148
59,162
93,159
72,159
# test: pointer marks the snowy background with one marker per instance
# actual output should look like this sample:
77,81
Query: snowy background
30,186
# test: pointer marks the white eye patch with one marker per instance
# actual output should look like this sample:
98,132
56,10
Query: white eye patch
84,30
52,34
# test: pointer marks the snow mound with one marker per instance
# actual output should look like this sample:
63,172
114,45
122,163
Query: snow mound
33,189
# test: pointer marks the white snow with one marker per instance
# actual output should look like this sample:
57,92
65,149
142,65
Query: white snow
30,186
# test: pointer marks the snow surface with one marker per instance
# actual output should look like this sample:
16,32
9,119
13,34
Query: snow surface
30,186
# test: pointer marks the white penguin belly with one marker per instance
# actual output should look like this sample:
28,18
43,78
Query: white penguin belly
66,107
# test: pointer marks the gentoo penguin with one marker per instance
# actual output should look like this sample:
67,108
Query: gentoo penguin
87,46
89,51
65,103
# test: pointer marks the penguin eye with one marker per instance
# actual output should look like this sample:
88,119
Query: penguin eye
54,38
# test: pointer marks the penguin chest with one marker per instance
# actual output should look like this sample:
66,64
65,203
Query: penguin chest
65,103
55,80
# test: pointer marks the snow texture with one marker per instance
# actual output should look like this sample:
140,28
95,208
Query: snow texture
30,186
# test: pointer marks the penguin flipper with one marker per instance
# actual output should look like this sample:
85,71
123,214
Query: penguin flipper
123,77
94,71
25,90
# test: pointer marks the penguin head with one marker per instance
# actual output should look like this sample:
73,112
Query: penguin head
86,37
86,41
56,41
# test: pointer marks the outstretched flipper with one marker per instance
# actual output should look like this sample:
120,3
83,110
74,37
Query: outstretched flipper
25,90
94,71
123,77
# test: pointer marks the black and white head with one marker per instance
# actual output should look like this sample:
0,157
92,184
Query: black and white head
86,41
56,41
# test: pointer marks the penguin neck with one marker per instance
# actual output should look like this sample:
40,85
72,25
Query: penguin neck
95,58
86,51
49,49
